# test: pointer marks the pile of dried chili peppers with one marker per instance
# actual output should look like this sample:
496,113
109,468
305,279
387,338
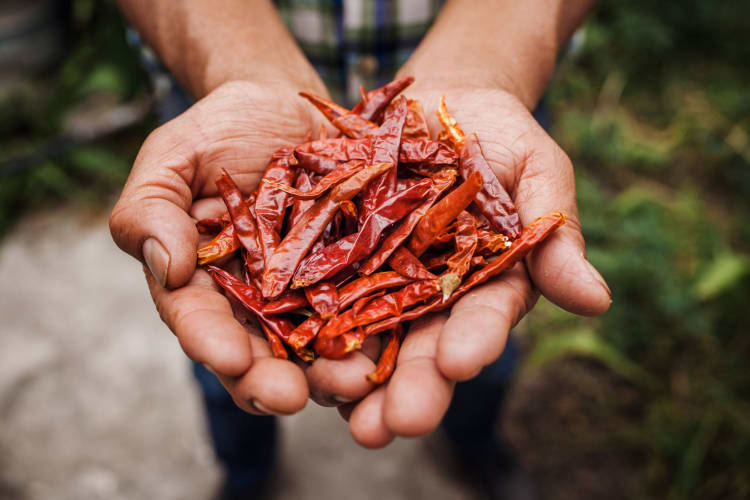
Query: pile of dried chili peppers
354,235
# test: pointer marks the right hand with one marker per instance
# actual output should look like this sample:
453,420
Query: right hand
236,127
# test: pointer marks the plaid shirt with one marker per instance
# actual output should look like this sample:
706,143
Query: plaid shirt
349,42
357,42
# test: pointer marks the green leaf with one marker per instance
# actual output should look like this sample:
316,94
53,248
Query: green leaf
585,342
722,274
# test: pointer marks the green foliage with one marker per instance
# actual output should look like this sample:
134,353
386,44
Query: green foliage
39,164
654,110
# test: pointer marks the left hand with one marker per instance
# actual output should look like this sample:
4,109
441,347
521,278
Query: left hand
447,347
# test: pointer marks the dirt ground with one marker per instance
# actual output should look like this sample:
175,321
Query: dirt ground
97,399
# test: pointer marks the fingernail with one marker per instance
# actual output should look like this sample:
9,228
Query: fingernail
341,399
259,406
595,276
157,260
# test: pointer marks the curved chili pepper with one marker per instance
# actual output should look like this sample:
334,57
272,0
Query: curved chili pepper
386,141
299,206
390,305
427,152
339,148
460,262
443,213
277,347
407,264
244,224
324,298
373,103
362,302
335,257
311,155
316,163
405,228
272,201
306,331
290,300
250,297
387,362
451,132
367,284
489,242
415,126
531,236
492,199
221,245
324,184
341,345
351,124
283,263
224,243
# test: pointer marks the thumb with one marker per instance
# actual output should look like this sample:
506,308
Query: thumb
150,220
558,267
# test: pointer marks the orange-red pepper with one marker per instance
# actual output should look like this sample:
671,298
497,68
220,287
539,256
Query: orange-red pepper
300,238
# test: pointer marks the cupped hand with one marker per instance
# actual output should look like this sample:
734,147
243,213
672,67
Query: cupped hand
448,347
237,127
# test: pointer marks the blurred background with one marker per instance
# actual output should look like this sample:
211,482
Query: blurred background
651,400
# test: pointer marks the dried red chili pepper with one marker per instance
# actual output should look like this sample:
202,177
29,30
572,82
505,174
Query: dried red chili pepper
324,298
330,236
368,284
460,262
442,214
245,229
351,124
492,199
373,103
283,263
416,122
221,245
288,301
342,149
324,184
531,236
225,242
306,331
386,141
381,308
277,347
316,163
271,201
353,248
299,206
489,242
405,228
363,301
249,296
387,362
407,264
451,132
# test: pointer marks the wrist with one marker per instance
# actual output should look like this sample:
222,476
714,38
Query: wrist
524,74
294,75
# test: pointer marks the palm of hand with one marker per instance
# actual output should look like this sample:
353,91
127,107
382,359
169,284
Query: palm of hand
235,128
445,348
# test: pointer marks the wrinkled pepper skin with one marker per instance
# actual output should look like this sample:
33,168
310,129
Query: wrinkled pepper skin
492,199
333,258
300,238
